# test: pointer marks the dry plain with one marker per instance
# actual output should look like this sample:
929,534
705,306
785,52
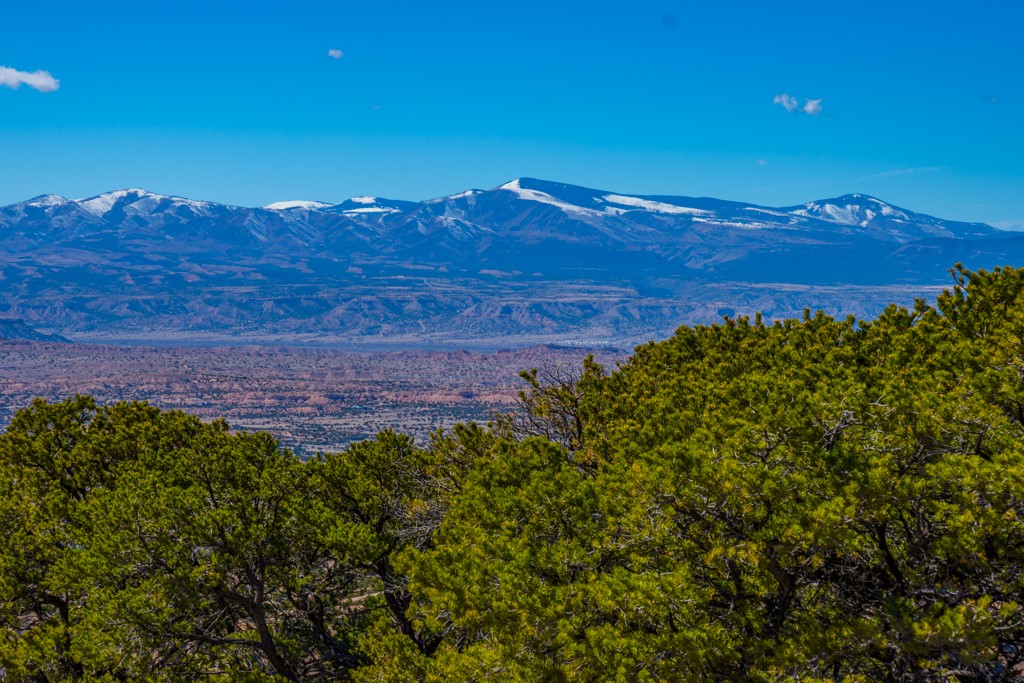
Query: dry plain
312,399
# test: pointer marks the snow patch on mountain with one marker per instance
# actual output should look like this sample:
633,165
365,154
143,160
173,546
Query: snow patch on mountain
136,202
767,211
296,204
47,200
608,204
371,209
102,204
653,206
725,223
460,195
854,209
544,198
615,216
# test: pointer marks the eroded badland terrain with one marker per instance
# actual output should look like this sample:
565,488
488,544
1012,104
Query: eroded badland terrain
311,399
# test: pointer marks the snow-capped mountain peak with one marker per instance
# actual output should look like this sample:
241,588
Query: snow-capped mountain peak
577,200
102,204
370,207
46,200
139,202
521,206
851,209
527,190
365,205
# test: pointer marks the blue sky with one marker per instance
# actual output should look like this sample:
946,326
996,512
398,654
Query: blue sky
921,103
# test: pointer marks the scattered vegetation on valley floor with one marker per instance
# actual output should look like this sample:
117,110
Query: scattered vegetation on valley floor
813,500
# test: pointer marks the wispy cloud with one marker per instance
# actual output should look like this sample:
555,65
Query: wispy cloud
812,107
37,80
1015,226
335,54
787,101
792,104
913,170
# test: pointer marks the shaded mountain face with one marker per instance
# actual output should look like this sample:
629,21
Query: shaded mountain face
531,256
17,329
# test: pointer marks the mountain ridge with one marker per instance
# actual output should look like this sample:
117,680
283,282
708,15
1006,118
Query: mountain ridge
533,260
530,189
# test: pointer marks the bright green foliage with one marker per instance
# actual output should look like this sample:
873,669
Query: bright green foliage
148,545
53,459
385,495
559,405
809,500
212,560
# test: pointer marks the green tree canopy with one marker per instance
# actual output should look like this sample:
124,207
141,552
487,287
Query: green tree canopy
810,500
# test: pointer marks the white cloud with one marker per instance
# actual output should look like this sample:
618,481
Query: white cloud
335,54
792,104
812,107
787,101
38,80
762,162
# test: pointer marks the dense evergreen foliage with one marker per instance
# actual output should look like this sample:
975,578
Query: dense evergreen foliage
812,500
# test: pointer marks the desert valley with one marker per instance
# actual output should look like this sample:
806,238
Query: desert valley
326,323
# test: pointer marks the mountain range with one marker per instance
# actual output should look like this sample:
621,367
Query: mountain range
528,261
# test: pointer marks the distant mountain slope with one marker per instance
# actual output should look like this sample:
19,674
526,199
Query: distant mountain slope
17,329
535,259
